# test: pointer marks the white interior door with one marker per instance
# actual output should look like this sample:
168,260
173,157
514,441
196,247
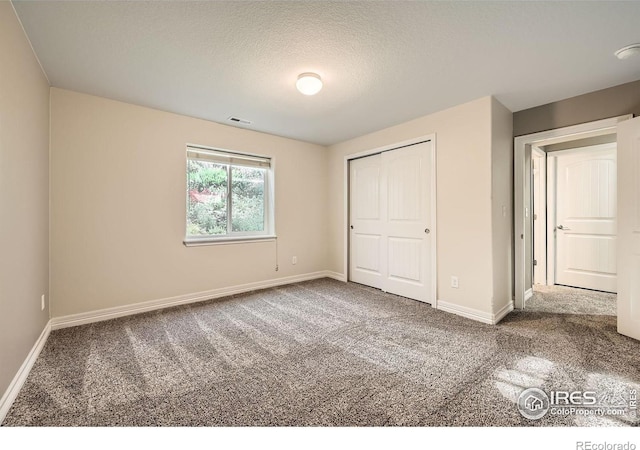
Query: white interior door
586,218
390,213
407,211
365,248
629,228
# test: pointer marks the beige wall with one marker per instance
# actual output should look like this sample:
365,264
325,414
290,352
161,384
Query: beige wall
118,206
24,196
464,138
501,204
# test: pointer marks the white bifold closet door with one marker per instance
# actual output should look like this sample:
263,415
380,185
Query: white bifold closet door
390,213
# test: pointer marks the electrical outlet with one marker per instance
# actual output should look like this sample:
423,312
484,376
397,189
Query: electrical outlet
294,260
42,303
454,282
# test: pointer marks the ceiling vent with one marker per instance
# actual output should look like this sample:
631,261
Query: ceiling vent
238,120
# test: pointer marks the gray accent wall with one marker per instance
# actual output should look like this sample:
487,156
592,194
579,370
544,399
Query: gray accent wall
24,196
611,102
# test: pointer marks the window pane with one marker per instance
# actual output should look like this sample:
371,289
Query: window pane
207,189
247,191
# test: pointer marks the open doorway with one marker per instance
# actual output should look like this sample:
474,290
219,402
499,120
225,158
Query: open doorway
565,219
574,229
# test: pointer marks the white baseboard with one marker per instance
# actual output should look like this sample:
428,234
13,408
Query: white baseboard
528,294
136,308
18,381
464,311
506,309
336,275
475,314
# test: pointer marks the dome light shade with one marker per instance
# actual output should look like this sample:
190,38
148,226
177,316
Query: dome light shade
309,83
628,51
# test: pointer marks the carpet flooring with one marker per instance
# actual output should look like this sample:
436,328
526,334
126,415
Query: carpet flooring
569,300
322,353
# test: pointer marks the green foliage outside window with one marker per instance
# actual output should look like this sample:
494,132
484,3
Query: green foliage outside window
247,199
208,194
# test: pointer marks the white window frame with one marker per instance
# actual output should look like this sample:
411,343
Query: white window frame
232,158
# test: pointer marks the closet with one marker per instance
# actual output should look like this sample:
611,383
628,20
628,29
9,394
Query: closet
390,201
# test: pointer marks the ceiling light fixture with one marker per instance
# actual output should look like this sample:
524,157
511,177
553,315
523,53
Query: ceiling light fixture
309,83
628,51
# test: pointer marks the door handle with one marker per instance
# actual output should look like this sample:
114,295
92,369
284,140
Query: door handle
426,230
560,227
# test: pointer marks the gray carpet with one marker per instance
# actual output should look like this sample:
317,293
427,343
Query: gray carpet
569,300
321,353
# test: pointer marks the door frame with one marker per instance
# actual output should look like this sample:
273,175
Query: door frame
539,228
520,147
551,220
433,186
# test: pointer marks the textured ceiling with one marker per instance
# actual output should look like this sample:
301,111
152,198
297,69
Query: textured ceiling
383,63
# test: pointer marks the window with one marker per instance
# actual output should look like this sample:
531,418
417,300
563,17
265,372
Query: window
229,196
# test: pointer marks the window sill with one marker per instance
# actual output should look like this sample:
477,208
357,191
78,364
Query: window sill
197,242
